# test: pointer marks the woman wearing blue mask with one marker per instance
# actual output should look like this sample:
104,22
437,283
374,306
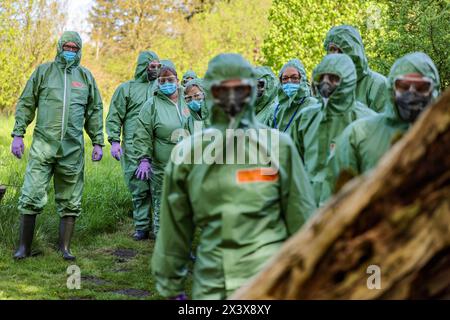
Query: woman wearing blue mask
157,132
293,95
194,95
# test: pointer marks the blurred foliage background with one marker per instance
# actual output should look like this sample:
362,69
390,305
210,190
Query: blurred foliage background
190,32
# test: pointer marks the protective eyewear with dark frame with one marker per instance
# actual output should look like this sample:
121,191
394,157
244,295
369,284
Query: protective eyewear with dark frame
294,79
197,96
70,48
423,85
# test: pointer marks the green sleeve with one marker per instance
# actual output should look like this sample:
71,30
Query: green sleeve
297,137
143,136
117,112
93,123
173,244
345,158
297,196
379,95
26,106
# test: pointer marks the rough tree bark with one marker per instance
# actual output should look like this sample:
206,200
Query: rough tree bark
397,217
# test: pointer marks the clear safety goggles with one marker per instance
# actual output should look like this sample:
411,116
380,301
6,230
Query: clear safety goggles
197,96
422,85
168,79
328,77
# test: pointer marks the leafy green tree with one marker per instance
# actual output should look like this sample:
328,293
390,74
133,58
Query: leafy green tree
416,25
28,33
298,28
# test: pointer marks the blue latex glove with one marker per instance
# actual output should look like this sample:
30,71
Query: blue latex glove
143,170
17,147
116,150
97,153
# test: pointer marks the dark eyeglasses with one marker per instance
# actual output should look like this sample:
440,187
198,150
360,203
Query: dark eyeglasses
70,48
293,78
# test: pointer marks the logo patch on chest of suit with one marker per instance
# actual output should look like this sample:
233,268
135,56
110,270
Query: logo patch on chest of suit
256,175
76,84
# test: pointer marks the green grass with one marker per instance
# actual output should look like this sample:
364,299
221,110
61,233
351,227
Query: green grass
105,225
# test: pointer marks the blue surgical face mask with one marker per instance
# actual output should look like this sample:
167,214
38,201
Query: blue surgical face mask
290,88
195,105
168,88
69,55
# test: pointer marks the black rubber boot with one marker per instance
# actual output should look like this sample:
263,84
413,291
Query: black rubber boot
140,235
27,224
66,227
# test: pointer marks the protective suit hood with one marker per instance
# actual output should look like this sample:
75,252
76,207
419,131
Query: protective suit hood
304,90
348,39
343,96
144,59
189,74
229,66
204,110
271,88
416,62
168,63
69,36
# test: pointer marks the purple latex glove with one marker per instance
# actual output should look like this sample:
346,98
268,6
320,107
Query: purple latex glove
143,170
17,147
97,153
181,296
116,150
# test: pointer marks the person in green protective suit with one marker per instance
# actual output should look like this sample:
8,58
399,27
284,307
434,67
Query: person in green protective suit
244,210
194,95
124,109
66,99
294,94
159,128
319,125
188,76
371,87
267,98
413,84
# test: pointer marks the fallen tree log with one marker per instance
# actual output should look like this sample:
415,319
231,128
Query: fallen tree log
391,226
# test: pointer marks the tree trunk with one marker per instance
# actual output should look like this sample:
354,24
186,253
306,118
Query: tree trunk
391,225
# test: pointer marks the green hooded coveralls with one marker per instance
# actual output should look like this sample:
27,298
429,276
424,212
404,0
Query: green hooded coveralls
66,99
364,142
318,126
287,111
371,87
243,216
160,126
202,116
266,104
124,109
